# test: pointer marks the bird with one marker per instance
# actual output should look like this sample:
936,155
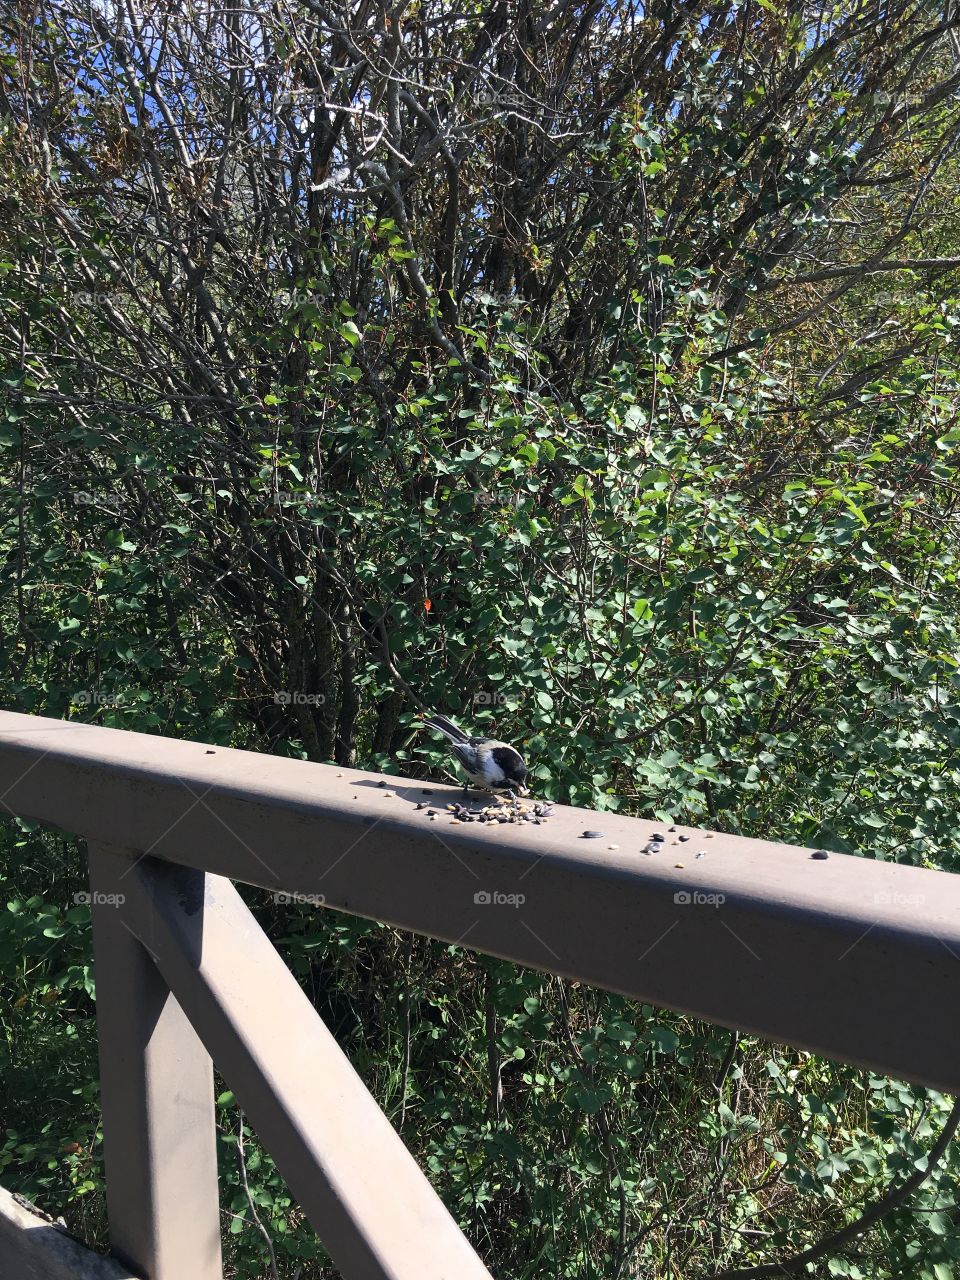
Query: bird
491,765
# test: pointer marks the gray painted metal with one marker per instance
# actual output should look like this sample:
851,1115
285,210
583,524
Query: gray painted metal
156,1093
849,957
32,1247
365,1195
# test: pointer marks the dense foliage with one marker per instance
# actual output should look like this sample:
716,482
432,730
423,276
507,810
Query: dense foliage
587,371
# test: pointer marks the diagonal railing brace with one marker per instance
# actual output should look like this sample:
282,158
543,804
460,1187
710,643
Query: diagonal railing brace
365,1195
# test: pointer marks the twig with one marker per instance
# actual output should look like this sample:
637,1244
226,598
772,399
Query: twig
886,1204
728,1059
253,1212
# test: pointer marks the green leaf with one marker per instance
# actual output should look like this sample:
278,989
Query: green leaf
663,1039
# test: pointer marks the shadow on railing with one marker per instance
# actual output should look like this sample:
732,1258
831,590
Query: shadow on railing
845,956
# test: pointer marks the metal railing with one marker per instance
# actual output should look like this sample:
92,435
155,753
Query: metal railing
849,957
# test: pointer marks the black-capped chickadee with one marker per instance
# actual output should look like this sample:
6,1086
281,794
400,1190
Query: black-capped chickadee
491,765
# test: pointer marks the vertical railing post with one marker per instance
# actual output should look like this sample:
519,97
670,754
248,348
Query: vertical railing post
156,1083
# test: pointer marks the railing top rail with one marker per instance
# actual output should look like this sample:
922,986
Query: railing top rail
847,956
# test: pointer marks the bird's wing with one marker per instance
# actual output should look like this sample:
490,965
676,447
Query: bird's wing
509,759
466,754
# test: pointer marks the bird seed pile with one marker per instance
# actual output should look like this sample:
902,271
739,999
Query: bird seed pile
501,811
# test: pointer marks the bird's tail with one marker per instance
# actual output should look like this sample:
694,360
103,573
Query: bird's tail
446,727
